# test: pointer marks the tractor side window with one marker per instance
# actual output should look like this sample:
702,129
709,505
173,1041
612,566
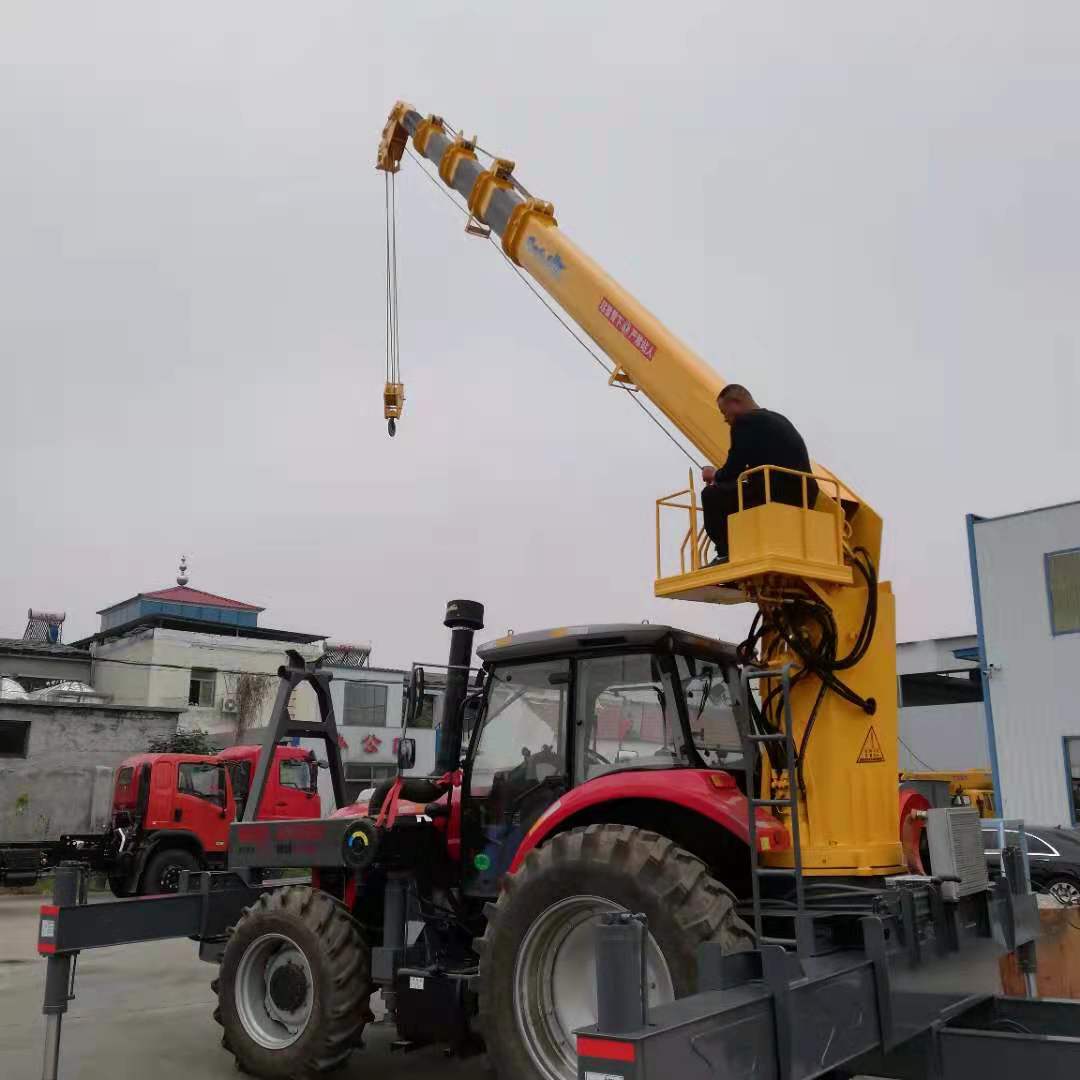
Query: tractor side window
202,781
521,742
626,715
713,725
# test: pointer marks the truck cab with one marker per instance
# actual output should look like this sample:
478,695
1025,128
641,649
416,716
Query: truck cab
171,812
292,787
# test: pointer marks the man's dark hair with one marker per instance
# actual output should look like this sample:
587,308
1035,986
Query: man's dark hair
734,389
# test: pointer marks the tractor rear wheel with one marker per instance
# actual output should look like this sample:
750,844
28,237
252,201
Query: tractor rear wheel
537,956
294,985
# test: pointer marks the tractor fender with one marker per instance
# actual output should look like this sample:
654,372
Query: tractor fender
714,795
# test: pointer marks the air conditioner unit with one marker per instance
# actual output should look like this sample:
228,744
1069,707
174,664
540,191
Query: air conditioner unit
228,705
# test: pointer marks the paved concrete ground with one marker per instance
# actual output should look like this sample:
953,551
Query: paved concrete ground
144,1010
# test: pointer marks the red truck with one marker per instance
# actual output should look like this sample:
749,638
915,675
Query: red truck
171,812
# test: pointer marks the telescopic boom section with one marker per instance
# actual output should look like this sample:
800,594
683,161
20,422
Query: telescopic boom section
646,354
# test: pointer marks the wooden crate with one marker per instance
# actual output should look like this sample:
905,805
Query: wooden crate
1058,952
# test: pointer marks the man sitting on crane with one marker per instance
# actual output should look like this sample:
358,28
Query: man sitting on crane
758,437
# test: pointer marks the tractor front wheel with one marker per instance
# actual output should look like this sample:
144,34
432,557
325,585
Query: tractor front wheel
294,985
537,977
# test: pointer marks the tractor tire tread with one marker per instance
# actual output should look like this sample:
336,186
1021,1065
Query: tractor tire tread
698,908
347,966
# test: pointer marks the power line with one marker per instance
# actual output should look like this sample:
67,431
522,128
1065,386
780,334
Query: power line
566,325
179,667
929,768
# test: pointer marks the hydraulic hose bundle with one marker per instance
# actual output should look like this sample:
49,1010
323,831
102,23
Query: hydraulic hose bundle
808,628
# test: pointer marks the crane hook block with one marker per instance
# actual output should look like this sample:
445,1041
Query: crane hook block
393,400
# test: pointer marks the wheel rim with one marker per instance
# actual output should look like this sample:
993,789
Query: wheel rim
169,878
1065,893
274,991
555,981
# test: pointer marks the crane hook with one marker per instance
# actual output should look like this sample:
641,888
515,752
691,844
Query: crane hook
391,426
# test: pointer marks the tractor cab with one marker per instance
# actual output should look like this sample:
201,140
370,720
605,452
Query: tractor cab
566,707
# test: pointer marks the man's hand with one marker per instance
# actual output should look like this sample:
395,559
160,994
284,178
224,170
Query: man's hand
707,473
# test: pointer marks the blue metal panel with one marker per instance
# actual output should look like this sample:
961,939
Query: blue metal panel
984,666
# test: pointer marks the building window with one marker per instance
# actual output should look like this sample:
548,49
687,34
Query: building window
425,719
201,689
14,738
374,773
365,705
1072,770
1063,585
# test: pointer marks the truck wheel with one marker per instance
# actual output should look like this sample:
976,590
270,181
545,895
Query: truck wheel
537,974
294,985
118,886
162,874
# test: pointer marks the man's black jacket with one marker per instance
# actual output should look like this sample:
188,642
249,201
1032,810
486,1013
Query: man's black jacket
763,437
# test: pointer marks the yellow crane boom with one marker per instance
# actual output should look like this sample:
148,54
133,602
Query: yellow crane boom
810,569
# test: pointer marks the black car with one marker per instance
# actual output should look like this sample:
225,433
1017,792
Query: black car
1054,855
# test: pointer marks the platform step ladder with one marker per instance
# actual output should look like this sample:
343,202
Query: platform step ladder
754,741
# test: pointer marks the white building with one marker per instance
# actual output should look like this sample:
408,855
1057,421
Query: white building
1026,579
181,648
942,722
369,704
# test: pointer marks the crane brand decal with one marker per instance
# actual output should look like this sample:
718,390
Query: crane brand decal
553,261
627,328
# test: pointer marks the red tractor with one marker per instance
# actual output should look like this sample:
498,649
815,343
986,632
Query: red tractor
605,773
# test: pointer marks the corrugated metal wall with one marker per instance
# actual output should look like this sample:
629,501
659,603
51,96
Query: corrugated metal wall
1034,685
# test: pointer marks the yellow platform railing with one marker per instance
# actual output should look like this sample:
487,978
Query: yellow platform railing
824,547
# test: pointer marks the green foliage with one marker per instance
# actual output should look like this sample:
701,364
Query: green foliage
195,741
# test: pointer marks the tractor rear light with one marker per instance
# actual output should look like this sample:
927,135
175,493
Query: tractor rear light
605,1049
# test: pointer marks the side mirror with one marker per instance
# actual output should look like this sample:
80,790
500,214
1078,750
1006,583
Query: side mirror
406,754
416,696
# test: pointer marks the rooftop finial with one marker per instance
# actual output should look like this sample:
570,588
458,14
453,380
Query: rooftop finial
182,578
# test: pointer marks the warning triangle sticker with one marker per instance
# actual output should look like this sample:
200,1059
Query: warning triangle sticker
871,752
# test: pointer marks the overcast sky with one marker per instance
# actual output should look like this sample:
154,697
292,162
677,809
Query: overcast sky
866,212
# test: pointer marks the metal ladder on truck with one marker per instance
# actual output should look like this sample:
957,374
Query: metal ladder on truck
756,738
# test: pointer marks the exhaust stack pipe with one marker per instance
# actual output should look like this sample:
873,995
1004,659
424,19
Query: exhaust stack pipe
464,618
